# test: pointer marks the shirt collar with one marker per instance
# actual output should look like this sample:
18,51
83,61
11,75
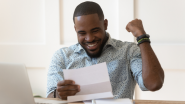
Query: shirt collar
108,43
78,48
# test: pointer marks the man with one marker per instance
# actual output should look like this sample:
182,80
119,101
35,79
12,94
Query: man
127,62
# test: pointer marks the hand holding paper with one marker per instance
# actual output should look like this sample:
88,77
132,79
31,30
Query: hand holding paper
67,88
93,80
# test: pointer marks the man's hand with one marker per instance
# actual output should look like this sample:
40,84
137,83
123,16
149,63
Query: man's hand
136,27
67,88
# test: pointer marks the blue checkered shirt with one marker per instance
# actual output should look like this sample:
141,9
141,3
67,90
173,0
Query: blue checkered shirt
123,61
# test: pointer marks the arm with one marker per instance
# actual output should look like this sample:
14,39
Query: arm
152,72
65,88
55,79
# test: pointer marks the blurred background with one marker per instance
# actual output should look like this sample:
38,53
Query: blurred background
32,30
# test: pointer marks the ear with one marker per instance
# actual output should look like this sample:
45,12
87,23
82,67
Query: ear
105,24
74,27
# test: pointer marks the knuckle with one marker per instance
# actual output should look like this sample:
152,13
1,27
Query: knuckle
67,93
76,86
59,88
68,81
71,87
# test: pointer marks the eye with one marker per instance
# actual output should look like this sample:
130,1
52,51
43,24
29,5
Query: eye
96,30
81,33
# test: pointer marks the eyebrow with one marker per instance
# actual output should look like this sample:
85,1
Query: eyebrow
91,29
95,28
80,31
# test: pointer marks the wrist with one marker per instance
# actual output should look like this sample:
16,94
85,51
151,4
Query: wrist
139,33
144,44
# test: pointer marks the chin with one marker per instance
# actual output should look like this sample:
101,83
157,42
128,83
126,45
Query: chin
95,54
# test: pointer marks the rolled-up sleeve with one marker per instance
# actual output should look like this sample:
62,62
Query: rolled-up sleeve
136,66
55,73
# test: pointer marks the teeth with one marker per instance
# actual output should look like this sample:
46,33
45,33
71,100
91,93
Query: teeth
91,45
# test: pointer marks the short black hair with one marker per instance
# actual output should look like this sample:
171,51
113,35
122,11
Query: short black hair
86,8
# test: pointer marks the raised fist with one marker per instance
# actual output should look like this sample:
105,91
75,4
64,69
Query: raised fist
136,27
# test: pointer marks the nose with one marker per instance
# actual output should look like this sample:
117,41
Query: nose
89,38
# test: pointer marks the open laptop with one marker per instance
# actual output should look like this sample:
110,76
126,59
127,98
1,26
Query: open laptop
14,85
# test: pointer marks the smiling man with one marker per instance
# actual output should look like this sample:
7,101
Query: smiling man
91,33
127,62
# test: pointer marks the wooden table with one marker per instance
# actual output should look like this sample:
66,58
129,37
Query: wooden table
158,102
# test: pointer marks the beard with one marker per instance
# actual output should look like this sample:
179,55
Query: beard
97,54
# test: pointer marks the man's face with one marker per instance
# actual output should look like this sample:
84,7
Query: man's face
91,33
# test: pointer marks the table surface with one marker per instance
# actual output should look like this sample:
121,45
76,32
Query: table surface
142,101
158,102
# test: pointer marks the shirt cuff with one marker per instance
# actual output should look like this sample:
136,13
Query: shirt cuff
141,84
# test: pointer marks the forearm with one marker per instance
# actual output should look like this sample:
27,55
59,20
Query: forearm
152,72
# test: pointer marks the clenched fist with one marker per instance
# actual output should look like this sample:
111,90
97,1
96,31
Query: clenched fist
67,88
136,27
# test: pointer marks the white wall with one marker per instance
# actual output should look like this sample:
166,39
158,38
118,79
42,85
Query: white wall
32,30
117,12
164,20
52,25
173,88
30,34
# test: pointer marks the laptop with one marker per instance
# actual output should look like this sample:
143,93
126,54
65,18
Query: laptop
14,85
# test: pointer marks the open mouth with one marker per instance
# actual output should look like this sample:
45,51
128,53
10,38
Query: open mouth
92,46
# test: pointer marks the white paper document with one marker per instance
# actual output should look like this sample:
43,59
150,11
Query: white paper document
114,101
106,101
97,101
93,80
